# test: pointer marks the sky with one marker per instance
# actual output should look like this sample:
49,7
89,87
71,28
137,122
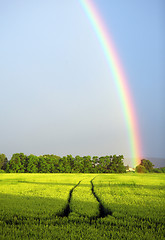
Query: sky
57,92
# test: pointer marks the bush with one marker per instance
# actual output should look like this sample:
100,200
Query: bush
140,169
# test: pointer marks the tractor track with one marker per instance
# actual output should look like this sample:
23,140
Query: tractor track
103,212
67,209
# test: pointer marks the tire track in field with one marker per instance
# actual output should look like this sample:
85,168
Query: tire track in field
67,210
103,211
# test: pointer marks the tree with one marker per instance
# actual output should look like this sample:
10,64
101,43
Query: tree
101,165
53,162
95,162
23,161
157,170
32,165
117,164
147,164
65,164
107,163
70,163
43,166
78,164
56,160
140,169
3,161
14,165
87,164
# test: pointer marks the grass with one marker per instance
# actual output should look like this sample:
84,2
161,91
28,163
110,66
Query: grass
66,206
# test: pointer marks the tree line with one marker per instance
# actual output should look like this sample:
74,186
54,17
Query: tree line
20,163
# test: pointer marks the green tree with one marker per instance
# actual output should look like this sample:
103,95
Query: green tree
102,165
87,164
43,166
107,163
3,161
14,165
65,164
140,169
117,164
78,164
32,164
147,164
61,166
69,163
23,161
157,170
95,162
53,162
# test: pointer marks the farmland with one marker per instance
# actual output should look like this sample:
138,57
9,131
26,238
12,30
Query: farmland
82,206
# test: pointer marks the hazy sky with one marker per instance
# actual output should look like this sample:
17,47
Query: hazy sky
57,95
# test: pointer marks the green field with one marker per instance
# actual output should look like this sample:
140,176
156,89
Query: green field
82,206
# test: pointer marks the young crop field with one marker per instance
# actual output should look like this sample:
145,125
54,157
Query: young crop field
82,206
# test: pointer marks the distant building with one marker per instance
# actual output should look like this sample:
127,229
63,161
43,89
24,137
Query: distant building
130,169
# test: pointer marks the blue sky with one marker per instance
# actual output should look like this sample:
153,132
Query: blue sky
57,93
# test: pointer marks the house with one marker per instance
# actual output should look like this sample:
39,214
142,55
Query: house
130,169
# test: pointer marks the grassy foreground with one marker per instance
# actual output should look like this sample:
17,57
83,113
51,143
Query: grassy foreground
82,206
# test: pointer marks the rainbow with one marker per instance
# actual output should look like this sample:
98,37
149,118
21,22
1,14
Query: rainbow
118,76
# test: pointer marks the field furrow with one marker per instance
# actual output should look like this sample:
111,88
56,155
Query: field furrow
67,210
83,201
103,212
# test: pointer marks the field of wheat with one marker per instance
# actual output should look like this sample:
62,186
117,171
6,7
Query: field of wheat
82,206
